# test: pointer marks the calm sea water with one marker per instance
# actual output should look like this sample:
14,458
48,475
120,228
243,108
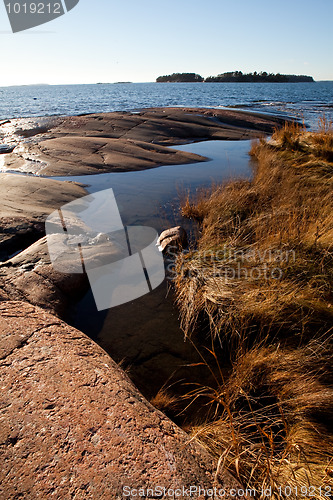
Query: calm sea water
301,100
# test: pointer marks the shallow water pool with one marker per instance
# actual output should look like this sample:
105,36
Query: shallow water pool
151,197
145,334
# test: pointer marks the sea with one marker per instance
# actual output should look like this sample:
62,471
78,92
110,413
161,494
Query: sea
307,102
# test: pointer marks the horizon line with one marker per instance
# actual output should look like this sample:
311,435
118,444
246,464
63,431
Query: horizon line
124,83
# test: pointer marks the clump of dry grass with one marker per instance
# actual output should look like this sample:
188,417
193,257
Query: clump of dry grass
272,420
258,286
284,219
165,401
317,144
195,208
288,136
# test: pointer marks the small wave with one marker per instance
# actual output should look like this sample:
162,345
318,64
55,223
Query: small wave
236,106
277,103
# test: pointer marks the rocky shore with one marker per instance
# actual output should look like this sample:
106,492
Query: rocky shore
72,424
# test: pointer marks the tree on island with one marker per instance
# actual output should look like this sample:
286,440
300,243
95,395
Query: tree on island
180,78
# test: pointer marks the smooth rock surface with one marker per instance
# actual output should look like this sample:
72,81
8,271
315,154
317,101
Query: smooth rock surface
72,425
30,276
26,201
125,141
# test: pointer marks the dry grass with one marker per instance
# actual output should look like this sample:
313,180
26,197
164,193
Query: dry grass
251,233
269,423
316,144
165,401
258,288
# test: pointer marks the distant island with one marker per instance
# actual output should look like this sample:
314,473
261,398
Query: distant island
263,76
180,78
235,76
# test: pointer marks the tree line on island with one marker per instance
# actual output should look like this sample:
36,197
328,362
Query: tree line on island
234,76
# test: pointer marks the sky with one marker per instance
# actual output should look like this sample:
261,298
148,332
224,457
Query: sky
138,40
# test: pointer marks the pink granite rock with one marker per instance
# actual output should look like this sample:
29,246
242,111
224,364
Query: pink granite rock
72,424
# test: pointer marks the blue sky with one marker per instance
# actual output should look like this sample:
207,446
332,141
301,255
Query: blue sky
132,40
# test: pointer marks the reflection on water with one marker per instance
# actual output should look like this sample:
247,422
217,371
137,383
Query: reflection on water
145,333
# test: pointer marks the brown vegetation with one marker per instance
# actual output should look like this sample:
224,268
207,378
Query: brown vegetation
258,287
